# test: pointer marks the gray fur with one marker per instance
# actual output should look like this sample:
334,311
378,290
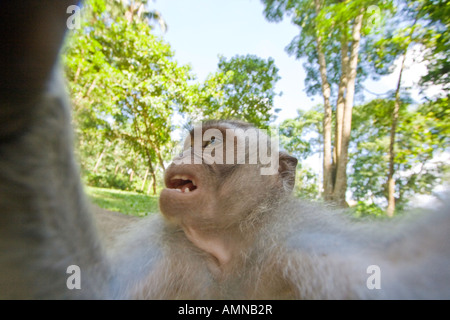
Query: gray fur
290,249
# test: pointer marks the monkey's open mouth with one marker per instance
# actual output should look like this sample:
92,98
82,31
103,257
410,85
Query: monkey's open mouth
182,183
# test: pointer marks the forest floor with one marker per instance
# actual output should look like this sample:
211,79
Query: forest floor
126,202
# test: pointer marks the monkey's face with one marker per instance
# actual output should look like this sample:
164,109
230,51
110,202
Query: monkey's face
219,177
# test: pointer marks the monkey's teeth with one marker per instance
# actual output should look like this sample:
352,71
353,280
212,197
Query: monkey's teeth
180,177
193,182
187,190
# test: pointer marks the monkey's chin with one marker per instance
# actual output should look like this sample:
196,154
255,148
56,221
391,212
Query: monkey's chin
173,203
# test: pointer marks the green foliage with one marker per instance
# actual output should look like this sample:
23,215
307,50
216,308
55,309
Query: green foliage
424,22
332,23
363,210
421,139
438,113
242,88
108,180
125,87
387,32
302,135
436,16
126,202
306,184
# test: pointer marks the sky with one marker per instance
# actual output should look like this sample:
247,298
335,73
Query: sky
201,30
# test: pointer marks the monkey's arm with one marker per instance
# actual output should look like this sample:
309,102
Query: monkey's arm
332,257
45,223
31,36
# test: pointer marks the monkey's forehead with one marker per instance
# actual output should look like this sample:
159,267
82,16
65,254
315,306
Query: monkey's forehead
221,125
227,124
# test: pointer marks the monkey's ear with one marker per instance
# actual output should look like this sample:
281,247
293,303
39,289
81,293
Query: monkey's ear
286,169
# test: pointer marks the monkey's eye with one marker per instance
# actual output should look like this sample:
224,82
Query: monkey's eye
210,142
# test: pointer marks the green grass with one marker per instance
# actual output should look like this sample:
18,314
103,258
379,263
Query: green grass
126,202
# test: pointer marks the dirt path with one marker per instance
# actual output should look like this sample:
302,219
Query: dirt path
110,223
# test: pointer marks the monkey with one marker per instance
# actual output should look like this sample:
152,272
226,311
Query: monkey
110,224
262,243
226,231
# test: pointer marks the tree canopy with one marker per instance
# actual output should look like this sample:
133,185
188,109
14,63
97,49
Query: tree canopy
129,91
127,87
242,88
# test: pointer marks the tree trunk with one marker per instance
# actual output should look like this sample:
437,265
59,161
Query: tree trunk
88,93
149,186
154,183
326,92
391,181
160,159
145,180
395,114
77,74
340,186
131,175
341,100
99,159
152,171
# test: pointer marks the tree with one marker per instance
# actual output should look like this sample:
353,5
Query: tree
394,122
415,30
126,82
420,161
302,137
242,88
421,141
435,15
330,40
